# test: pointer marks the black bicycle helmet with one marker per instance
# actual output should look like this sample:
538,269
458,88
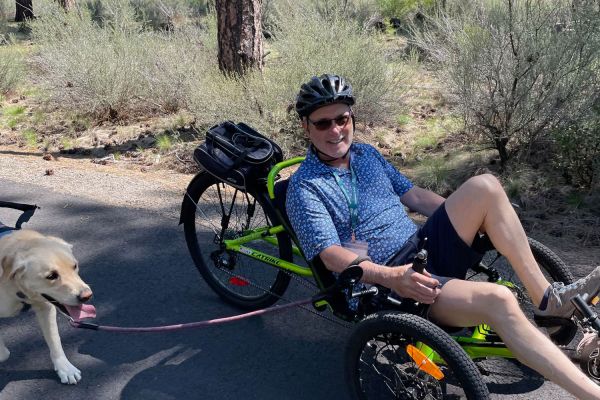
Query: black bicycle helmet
321,91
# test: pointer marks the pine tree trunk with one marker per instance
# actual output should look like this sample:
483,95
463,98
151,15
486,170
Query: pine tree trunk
24,10
239,35
67,4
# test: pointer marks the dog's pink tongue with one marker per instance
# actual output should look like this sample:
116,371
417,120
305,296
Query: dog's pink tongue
80,312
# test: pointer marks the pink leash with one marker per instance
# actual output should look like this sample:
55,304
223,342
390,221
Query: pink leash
199,324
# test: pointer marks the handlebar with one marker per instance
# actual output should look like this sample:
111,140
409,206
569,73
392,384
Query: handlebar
587,312
420,259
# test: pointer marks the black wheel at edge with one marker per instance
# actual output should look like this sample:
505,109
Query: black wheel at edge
378,366
246,283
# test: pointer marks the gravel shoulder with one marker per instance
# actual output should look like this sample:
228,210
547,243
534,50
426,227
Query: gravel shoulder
115,183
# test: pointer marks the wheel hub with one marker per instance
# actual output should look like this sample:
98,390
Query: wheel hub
224,259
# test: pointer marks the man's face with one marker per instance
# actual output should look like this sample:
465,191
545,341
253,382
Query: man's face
330,129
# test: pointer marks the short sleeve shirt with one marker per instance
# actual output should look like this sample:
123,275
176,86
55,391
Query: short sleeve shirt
319,211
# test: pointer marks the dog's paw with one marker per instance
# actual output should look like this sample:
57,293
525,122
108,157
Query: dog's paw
66,371
4,353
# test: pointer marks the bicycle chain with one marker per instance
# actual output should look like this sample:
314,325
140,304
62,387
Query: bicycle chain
303,282
310,310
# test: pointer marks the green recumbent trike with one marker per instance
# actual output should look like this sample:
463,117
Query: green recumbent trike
241,242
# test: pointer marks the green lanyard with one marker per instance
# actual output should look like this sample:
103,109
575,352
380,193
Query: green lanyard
352,200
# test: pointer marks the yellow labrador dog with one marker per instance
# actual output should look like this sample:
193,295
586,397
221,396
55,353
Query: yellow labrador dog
41,271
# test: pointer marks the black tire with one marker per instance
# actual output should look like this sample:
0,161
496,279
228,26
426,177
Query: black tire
591,367
378,366
552,267
245,282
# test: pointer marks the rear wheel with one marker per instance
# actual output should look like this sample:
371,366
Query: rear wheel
553,268
212,212
381,362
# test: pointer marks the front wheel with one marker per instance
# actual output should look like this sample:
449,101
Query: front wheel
382,363
213,212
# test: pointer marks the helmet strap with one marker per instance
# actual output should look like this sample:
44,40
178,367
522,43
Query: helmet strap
329,158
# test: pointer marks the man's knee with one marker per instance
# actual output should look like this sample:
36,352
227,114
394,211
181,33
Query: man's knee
485,184
502,302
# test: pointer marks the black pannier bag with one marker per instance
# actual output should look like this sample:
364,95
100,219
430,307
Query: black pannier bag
237,154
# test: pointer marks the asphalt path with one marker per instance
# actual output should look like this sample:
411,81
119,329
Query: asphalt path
138,266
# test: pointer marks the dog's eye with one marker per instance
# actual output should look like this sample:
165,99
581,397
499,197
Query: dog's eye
52,276
75,267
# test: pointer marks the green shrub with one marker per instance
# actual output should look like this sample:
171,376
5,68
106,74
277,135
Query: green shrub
434,173
518,69
404,119
117,68
401,8
164,143
363,12
13,111
152,14
66,143
30,137
578,153
12,68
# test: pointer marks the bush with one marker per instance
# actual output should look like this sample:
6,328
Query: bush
12,68
402,8
117,68
153,14
361,11
578,152
518,69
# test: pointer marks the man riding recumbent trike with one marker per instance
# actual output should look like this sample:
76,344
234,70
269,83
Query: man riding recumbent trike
428,301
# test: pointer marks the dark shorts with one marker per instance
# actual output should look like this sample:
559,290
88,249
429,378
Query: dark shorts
447,254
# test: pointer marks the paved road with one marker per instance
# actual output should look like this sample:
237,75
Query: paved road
141,274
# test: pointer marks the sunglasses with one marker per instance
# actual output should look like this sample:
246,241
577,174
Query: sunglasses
324,124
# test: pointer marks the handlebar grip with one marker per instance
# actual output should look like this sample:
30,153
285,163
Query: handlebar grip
420,261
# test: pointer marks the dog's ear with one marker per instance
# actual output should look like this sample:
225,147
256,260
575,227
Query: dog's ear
6,264
61,241
11,266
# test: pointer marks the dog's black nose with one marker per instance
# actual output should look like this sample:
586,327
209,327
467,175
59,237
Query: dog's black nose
85,295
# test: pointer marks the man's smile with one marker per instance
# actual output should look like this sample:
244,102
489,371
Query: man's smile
337,141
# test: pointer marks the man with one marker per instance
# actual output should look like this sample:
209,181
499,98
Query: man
346,205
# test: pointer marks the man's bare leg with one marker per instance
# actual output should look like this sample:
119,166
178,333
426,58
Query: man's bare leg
481,205
467,303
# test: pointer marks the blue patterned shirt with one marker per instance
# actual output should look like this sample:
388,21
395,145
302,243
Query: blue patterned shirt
319,213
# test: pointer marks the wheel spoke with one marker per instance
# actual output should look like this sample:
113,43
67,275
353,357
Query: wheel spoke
225,213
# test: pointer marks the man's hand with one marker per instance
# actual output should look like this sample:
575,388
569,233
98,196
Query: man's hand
408,283
402,279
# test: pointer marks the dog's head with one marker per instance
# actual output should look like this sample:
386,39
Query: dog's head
44,268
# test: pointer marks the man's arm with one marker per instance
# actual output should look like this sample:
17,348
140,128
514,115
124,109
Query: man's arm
402,279
422,200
